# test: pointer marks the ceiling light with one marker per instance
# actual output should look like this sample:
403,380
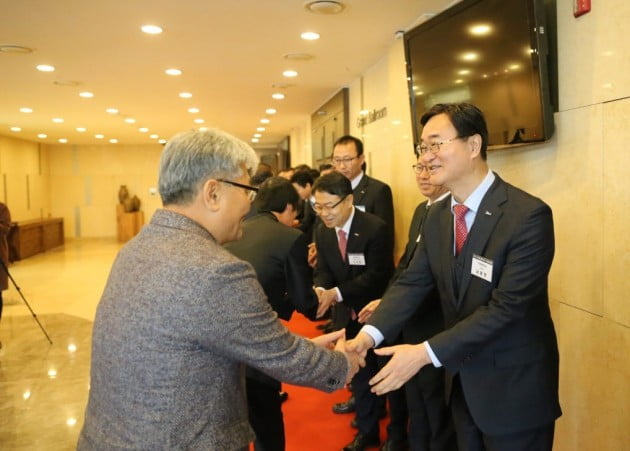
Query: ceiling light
324,6
81,129
10,48
26,110
185,95
459,80
143,130
45,68
42,135
203,129
113,141
154,136
162,141
277,96
151,29
199,121
173,72
112,110
257,135
193,110
72,347
86,94
260,129
99,136
469,56
57,120
309,36
130,120
264,120
271,111
255,140
290,73
16,129
481,29
463,72
63,140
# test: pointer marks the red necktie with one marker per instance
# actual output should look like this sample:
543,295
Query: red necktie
461,232
343,242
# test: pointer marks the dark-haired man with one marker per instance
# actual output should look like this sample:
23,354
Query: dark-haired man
354,265
278,253
303,183
488,250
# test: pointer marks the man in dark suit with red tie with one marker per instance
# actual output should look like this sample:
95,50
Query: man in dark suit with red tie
354,265
488,250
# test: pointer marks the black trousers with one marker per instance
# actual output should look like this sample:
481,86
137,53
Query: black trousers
430,423
366,402
470,438
265,415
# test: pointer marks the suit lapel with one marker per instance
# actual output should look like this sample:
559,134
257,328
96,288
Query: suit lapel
486,219
359,192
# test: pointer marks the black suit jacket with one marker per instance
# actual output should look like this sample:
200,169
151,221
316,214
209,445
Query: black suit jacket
358,284
278,254
499,335
374,196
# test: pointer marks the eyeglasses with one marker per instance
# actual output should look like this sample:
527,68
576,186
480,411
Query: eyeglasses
419,169
319,209
249,190
435,147
345,161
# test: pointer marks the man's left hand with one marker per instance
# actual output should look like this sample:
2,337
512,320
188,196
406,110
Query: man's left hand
406,361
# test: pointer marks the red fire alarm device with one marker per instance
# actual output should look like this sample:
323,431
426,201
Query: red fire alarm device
581,7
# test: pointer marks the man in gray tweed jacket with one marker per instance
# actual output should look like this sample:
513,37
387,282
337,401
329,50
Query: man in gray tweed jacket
180,317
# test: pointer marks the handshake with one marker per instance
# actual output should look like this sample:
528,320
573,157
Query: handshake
355,350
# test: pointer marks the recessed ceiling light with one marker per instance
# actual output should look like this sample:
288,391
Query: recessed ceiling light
309,36
257,135
255,140
81,129
463,72
469,56
199,121
113,141
154,136
26,110
143,130
16,129
130,120
459,80
42,135
57,120
151,29
264,120
162,141
290,73
62,140
185,95
112,110
86,94
99,136
271,111
173,72
324,6
480,29
193,110
277,96
45,68
203,129
260,129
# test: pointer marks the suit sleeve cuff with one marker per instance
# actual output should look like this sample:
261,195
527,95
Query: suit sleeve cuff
339,297
434,359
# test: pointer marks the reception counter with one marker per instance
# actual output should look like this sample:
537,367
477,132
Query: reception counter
31,237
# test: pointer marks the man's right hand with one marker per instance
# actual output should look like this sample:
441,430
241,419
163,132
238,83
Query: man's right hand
355,361
360,344
367,311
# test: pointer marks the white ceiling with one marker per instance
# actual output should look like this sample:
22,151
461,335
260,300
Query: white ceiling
230,51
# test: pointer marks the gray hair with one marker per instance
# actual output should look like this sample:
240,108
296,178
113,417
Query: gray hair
191,158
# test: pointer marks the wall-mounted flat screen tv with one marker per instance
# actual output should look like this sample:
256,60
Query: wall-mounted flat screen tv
492,53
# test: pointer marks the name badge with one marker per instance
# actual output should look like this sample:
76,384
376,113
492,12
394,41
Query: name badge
356,259
481,267
360,207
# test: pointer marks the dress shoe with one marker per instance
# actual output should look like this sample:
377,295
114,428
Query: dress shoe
283,396
344,407
361,442
395,445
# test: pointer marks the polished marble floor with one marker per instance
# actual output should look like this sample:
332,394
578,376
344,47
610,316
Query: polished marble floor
44,387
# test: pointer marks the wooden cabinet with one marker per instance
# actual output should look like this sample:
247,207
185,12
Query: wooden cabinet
31,237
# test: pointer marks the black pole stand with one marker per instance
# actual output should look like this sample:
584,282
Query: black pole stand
24,299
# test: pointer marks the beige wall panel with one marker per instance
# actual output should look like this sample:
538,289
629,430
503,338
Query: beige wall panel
593,63
98,221
62,160
616,216
594,375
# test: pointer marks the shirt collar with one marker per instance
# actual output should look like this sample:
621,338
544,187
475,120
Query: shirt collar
443,196
355,181
474,200
347,225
